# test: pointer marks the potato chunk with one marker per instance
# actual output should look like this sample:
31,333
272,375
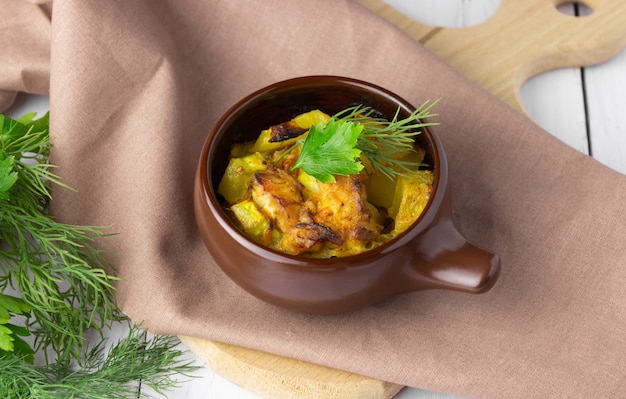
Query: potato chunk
380,188
410,198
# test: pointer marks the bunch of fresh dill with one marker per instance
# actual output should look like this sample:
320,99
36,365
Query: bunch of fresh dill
63,290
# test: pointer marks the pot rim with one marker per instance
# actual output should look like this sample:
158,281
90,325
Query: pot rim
209,194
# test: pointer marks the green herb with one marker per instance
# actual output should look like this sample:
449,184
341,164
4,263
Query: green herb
330,149
155,363
10,334
64,290
335,147
7,176
41,257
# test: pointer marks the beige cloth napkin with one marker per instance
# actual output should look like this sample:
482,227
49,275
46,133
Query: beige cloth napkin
25,44
136,85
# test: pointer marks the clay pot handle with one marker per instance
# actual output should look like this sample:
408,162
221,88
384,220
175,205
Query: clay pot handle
450,261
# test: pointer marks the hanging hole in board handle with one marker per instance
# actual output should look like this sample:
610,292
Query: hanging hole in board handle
574,8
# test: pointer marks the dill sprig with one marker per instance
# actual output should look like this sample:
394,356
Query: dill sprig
59,274
64,291
55,267
383,141
335,147
102,375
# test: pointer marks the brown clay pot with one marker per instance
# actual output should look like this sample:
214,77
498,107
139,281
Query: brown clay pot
431,254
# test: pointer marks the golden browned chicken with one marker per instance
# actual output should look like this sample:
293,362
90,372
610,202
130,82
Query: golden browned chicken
342,207
337,215
279,197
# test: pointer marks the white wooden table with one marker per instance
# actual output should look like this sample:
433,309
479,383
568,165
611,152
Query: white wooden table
584,107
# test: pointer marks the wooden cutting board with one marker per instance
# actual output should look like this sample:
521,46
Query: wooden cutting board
522,39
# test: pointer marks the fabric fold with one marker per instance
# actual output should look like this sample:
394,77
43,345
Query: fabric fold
25,42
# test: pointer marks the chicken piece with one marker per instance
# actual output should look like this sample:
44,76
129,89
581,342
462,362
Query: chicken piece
342,206
284,158
279,197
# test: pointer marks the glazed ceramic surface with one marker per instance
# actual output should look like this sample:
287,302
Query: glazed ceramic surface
431,254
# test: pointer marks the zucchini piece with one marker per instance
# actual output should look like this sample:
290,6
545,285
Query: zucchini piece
284,135
252,221
234,184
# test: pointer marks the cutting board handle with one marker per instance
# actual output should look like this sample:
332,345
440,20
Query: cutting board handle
522,39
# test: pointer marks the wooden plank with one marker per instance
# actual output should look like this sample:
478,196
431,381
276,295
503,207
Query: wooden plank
25,103
606,97
447,13
555,101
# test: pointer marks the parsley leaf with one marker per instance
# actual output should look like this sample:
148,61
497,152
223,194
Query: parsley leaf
336,147
9,333
8,176
330,149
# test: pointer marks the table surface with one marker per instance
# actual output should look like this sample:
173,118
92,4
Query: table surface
584,107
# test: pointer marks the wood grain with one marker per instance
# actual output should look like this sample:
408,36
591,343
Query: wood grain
521,40
271,376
